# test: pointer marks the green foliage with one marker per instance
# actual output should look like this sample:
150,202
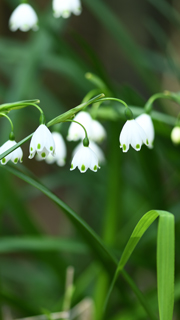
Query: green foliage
128,53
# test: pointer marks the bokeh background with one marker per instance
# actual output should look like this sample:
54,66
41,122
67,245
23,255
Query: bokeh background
133,46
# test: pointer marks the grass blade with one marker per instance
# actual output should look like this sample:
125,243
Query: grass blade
165,265
165,260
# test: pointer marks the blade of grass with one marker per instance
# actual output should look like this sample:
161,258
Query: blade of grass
165,260
165,265
19,244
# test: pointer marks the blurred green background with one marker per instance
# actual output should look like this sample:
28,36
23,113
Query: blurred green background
133,46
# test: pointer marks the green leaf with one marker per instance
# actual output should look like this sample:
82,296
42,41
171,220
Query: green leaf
91,237
16,244
165,265
6,107
71,113
165,259
138,232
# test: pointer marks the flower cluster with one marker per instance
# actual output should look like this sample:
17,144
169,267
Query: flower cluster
87,154
25,18
51,146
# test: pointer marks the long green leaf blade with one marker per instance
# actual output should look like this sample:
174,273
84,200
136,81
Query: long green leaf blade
165,260
165,265
138,232
18,244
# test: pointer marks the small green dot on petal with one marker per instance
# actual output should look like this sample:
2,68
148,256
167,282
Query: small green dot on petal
38,146
147,142
51,148
124,147
137,146
95,168
16,160
31,149
71,166
43,155
3,160
83,168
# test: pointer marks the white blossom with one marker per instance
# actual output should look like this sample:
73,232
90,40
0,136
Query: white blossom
64,8
175,135
14,156
94,147
145,121
132,134
85,158
24,18
75,131
94,128
98,133
60,150
42,142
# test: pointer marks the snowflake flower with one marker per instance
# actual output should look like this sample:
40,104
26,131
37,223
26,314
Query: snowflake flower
64,8
75,131
24,18
94,147
175,135
85,158
13,156
42,142
132,134
95,130
145,121
60,150
98,133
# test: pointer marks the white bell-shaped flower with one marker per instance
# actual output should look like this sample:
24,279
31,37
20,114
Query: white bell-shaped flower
75,131
24,18
64,8
132,134
85,158
94,147
60,150
42,142
14,156
98,133
145,121
175,135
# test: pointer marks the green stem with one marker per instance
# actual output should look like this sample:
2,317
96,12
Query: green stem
72,112
165,95
38,107
85,131
90,94
4,115
114,99
6,107
111,213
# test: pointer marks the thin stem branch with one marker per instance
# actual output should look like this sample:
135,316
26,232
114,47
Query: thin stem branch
114,99
86,135
5,115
